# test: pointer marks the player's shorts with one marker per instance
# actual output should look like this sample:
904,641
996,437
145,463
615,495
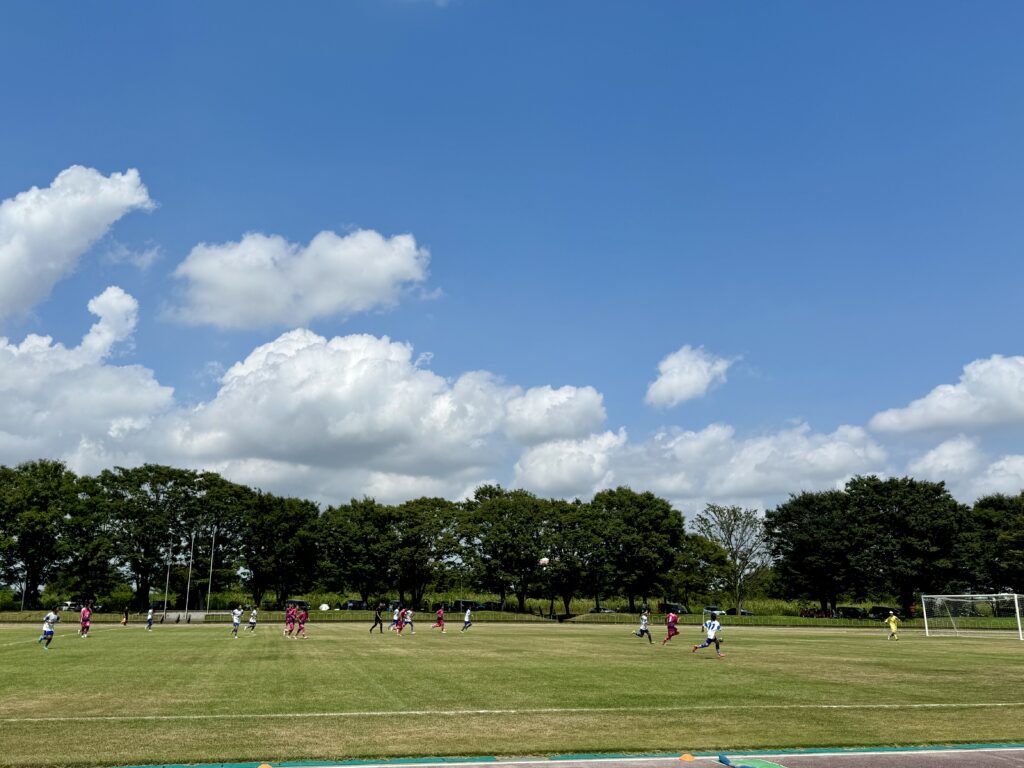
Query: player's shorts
47,633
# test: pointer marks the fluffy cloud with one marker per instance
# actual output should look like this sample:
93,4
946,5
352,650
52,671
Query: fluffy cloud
44,232
951,460
71,403
990,393
263,280
544,413
1003,476
570,467
686,374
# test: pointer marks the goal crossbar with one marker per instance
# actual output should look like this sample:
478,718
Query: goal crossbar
972,613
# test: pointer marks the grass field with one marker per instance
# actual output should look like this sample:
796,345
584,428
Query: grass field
192,694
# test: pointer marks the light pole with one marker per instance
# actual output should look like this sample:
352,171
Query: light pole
188,587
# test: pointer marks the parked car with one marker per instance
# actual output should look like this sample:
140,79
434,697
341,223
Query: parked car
491,605
70,605
602,610
743,612
355,605
850,612
881,612
159,605
672,608
302,605
713,609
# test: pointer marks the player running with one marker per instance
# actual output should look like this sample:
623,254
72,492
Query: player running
467,620
48,621
303,617
439,624
236,619
83,630
252,619
408,621
289,621
395,617
712,627
149,621
644,629
670,622
893,622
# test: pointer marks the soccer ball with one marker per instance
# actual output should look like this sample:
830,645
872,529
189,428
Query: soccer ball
543,561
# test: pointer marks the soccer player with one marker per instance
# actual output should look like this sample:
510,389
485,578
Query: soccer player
712,627
303,617
252,619
439,624
467,620
48,621
401,621
670,622
378,620
149,621
86,619
893,622
395,616
236,619
289,621
644,629
408,621
124,617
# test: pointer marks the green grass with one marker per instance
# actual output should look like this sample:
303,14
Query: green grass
192,694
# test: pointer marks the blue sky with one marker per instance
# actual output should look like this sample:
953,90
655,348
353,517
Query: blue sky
825,199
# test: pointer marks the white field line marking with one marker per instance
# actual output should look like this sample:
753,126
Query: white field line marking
526,711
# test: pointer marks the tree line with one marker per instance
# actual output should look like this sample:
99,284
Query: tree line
136,529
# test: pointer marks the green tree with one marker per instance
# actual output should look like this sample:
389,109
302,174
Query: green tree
425,538
912,527
356,544
575,546
990,549
740,532
36,498
701,567
278,544
644,541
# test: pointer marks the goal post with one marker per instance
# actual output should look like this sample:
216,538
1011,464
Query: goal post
964,615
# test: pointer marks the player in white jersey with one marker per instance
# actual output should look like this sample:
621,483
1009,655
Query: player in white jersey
467,620
712,627
644,629
236,619
408,621
149,621
395,616
48,621
252,619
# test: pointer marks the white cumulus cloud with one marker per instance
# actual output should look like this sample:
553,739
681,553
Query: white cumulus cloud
44,232
686,374
1006,475
263,280
544,413
951,460
72,403
570,467
990,393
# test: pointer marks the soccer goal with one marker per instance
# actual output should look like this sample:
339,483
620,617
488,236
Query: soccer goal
971,614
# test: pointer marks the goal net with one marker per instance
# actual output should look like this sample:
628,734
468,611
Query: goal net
972,614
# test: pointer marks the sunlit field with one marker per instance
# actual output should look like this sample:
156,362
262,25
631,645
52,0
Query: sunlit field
193,694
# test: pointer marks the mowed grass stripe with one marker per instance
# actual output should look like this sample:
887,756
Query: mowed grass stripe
536,711
192,694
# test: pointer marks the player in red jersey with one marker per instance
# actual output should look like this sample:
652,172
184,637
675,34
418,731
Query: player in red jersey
439,624
401,621
302,618
289,621
670,621
86,621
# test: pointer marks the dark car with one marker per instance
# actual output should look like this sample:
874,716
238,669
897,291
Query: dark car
672,608
159,605
355,605
302,605
881,612
743,612
491,605
850,612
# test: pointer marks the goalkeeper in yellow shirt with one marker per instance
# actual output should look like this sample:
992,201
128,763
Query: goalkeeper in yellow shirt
893,623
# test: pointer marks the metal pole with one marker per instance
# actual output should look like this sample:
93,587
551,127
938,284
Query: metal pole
924,612
167,583
209,581
188,587
1016,610
24,589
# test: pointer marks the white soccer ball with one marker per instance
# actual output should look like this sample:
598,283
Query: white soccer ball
543,561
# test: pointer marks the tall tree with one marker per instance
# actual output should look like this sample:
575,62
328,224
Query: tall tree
647,538
278,544
740,532
36,496
701,567
425,538
356,543
915,527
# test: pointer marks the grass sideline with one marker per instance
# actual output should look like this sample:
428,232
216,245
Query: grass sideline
192,694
